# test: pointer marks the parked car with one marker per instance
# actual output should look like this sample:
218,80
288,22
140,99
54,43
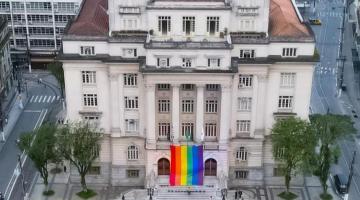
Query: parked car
315,21
340,182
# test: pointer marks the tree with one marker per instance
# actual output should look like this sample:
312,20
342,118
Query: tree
293,143
39,145
329,129
56,69
80,144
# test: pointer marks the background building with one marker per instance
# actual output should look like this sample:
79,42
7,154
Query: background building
6,70
38,25
148,72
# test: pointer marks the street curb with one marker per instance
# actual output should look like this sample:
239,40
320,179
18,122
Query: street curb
17,116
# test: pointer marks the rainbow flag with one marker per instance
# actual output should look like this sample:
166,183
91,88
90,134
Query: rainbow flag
186,167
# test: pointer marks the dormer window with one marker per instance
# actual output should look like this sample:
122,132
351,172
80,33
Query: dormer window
163,62
247,53
87,50
289,52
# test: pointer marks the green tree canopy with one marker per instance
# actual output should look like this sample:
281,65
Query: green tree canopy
39,145
80,144
293,143
328,129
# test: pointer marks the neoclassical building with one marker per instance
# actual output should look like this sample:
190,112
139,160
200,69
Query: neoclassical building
151,72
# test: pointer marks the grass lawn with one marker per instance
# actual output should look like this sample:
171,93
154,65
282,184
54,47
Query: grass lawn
86,195
287,196
326,196
48,193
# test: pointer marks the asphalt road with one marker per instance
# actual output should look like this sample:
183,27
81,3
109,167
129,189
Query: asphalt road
34,113
325,96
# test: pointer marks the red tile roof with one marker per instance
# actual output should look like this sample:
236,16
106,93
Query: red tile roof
92,20
284,21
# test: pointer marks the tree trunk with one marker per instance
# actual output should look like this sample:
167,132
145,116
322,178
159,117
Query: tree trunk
287,181
83,182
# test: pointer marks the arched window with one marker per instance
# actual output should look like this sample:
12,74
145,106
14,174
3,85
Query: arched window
163,167
133,153
210,167
242,154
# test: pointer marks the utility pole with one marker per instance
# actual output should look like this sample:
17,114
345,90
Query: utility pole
350,176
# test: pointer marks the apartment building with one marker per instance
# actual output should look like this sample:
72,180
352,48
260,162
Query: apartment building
37,26
212,72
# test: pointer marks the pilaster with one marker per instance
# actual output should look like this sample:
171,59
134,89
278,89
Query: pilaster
199,112
150,115
175,112
225,115
115,116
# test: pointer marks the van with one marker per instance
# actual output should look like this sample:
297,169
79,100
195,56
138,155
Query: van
340,181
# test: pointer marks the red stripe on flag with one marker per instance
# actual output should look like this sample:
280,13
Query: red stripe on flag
172,165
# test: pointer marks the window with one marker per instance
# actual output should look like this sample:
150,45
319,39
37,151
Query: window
247,53
94,170
163,167
163,62
280,152
90,100
187,106
133,152
63,18
130,53
188,25
210,130
241,154
241,174
212,87
42,43
244,103
211,106
212,25
164,131
186,62
164,105
87,50
187,87
129,10
66,6
285,102
210,167
214,62
4,6
163,86
131,103
187,130
130,79
88,77
130,23
132,173
279,171
245,81
91,119
289,52
132,125
243,126
164,24
287,79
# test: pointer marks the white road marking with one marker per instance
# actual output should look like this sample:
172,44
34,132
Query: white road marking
40,98
36,99
32,97
52,100
48,100
57,98
44,99
32,111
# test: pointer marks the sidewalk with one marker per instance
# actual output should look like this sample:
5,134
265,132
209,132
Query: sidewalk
12,113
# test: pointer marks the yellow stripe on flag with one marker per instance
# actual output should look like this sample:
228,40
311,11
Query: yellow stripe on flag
184,166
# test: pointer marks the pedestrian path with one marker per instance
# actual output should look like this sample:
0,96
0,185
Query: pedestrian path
43,98
320,69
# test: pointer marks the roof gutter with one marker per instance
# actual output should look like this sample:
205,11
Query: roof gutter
297,11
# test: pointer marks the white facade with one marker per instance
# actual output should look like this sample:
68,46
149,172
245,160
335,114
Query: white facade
199,77
39,24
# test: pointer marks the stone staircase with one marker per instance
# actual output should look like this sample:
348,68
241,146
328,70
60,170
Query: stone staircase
187,193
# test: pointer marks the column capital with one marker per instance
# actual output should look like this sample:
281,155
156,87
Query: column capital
175,84
200,85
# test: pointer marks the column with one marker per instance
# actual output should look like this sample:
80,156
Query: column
261,104
150,115
121,101
225,116
175,112
114,105
199,112
254,107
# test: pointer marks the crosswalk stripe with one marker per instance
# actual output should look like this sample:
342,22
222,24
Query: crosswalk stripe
48,100
36,98
40,98
32,97
44,99
57,98
52,100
